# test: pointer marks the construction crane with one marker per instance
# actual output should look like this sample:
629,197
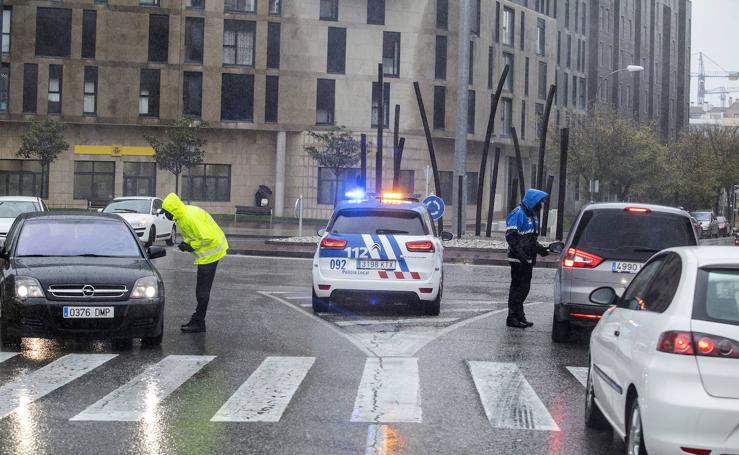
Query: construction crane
722,92
702,74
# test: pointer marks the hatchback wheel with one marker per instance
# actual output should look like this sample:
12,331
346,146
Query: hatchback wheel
561,330
172,236
635,431
594,417
152,236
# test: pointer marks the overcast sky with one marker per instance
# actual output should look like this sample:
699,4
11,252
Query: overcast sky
716,34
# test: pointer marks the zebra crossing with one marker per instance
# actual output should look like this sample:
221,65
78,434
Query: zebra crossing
389,390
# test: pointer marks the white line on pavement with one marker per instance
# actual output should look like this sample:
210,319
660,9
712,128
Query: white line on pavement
466,310
306,305
580,373
299,297
30,387
268,391
389,391
382,440
7,355
139,397
395,321
508,399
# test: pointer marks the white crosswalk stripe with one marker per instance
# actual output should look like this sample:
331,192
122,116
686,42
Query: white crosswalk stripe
7,355
268,391
30,387
389,391
140,396
580,373
508,399
395,321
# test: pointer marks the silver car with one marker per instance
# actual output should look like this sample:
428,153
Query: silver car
607,245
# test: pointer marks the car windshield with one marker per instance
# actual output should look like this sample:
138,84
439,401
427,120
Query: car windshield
618,234
702,216
11,209
93,237
720,302
355,221
129,206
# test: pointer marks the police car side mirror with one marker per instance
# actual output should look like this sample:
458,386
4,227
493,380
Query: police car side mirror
321,232
556,247
447,236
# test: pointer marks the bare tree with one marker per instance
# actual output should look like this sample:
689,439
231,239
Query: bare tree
182,148
335,149
43,141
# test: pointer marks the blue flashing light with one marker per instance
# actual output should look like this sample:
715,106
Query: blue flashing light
355,195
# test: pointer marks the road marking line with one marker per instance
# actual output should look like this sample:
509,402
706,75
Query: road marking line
306,305
138,398
7,355
395,321
300,297
508,399
580,373
383,440
267,392
33,386
389,391
466,310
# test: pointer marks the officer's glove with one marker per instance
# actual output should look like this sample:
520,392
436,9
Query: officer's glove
185,247
542,250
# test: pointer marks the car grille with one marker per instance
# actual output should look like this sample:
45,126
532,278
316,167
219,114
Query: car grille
79,291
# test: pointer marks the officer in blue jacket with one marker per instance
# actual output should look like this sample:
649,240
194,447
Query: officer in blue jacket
522,233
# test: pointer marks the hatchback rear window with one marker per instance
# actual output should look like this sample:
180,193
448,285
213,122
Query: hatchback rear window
717,296
618,234
402,222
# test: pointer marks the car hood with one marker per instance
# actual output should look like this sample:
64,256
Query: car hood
5,224
134,217
83,270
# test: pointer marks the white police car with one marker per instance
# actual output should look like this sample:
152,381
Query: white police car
380,250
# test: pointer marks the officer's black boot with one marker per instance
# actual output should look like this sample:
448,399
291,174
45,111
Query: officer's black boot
513,321
194,326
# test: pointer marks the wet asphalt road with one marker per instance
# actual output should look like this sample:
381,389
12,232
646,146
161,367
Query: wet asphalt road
379,382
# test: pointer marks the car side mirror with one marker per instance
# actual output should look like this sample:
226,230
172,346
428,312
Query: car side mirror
556,247
100,210
604,296
447,236
321,232
156,252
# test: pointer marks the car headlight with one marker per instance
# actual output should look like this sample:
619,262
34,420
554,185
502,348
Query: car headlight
140,223
145,288
27,287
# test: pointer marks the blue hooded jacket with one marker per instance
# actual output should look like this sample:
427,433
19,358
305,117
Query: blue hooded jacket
522,228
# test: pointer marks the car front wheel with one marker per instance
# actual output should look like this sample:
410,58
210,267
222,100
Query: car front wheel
635,431
172,236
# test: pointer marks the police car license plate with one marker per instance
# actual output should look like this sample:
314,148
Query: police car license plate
625,267
368,264
87,312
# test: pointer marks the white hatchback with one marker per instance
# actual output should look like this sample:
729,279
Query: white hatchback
664,359
12,206
142,213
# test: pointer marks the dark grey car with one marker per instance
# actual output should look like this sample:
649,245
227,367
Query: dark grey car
607,246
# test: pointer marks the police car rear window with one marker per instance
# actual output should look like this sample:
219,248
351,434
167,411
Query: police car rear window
400,222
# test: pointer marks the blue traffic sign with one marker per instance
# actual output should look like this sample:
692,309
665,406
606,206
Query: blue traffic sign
435,205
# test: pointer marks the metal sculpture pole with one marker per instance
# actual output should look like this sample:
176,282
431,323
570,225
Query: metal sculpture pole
363,160
396,140
519,162
380,125
430,144
543,136
396,164
493,185
545,216
564,144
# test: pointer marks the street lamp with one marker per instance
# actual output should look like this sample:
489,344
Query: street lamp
630,69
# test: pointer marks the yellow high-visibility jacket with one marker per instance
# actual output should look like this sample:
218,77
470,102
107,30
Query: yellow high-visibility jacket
198,229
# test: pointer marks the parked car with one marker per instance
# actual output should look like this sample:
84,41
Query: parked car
709,223
142,213
12,206
723,226
607,246
664,360
696,226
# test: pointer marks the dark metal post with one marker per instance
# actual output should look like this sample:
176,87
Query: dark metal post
543,136
430,144
460,207
563,147
519,162
545,216
363,160
513,193
396,164
493,185
396,140
380,125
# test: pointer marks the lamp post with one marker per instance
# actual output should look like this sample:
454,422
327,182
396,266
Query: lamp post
630,69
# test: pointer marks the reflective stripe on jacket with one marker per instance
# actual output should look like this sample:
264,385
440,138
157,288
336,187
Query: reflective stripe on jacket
198,230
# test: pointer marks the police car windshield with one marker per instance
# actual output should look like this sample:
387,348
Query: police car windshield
364,221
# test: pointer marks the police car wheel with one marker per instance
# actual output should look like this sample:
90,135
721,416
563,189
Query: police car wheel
320,305
433,308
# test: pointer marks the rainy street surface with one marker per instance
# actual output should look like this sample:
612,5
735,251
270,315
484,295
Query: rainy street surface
270,377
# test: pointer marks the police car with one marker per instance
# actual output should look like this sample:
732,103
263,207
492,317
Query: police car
379,250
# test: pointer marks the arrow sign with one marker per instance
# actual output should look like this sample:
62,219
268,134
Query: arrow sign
435,205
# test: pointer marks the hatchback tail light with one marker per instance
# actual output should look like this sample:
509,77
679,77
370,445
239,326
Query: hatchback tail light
331,243
699,344
422,246
696,451
580,259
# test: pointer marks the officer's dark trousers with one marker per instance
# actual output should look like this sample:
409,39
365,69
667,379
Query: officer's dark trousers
520,286
206,273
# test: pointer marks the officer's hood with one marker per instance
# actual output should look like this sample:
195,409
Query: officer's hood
174,205
530,200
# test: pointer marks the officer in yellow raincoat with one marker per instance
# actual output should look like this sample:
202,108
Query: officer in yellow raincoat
202,237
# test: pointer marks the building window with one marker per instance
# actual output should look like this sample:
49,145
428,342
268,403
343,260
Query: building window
55,89
376,12
30,87
149,2
271,99
446,179
192,95
158,38
406,181
508,24
391,53
441,50
539,119
241,6
471,69
470,112
7,14
336,52
526,78
4,87
385,104
471,178
94,180
496,27
275,7
194,32
523,119
584,16
237,97
566,91
542,80
439,107
24,178
490,67
540,37
139,178
506,116
329,10
325,91
53,32
442,14
582,93
559,48
567,13
149,93
89,26
569,51
90,90
273,45
207,182
574,90
238,42
327,182
508,60
195,4
475,26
